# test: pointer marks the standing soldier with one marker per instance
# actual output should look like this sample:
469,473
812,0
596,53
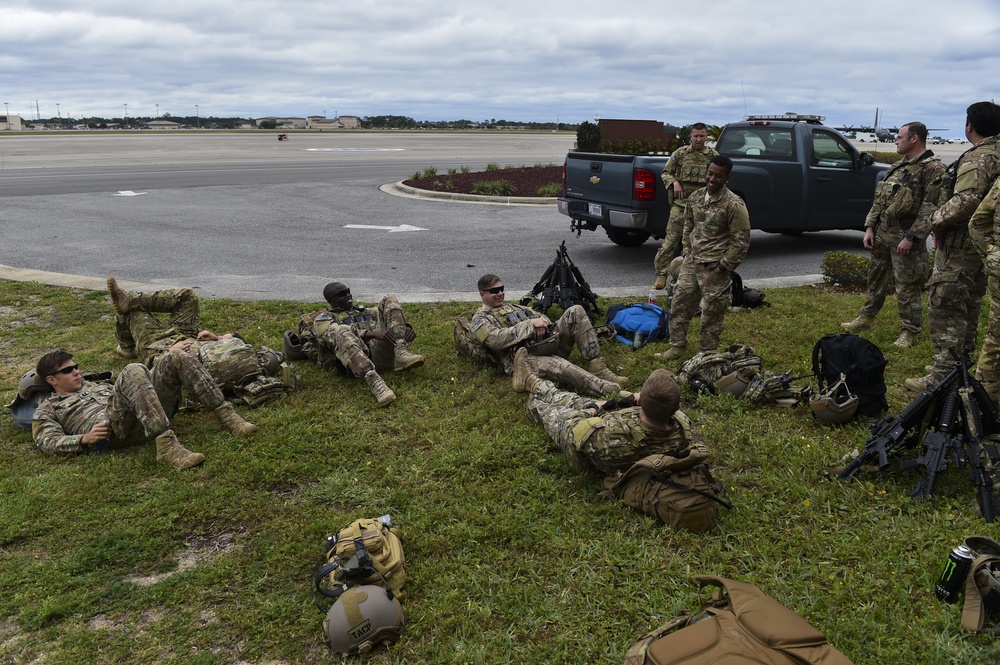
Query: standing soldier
716,239
896,231
958,282
683,173
985,231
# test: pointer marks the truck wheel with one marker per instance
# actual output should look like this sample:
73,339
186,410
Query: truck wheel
627,238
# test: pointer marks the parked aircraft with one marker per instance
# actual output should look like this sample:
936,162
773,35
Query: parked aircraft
884,134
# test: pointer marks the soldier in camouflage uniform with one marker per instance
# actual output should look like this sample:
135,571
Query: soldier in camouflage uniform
683,173
984,229
350,338
609,440
896,231
79,414
716,239
171,349
958,281
503,328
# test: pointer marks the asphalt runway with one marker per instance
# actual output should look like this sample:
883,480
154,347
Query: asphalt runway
244,216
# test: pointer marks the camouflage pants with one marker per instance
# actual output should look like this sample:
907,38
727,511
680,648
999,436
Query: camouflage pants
140,329
989,356
361,356
714,290
910,273
134,409
671,242
957,286
559,412
177,370
556,368
575,328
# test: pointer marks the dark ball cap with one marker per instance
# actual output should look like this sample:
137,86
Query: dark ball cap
332,289
660,396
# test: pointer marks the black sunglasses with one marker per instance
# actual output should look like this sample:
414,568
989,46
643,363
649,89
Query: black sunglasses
68,369
341,294
495,290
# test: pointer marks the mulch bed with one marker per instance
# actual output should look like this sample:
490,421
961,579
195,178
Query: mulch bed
525,181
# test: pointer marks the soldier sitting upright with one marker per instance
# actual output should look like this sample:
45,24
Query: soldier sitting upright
589,433
363,342
503,328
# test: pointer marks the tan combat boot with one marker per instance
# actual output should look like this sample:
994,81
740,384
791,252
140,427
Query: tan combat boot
524,380
121,299
122,352
861,323
672,353
382,393
599,368
405,360
170,451
232,422
906,339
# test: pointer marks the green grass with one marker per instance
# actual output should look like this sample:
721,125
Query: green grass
555,189
494,188
510,556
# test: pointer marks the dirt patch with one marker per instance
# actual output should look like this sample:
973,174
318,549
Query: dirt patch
525,180
198,552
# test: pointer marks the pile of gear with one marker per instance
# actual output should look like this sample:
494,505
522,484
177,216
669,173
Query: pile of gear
362,571
740,372
973,568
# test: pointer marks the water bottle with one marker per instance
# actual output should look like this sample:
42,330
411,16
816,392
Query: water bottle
102,445
652,297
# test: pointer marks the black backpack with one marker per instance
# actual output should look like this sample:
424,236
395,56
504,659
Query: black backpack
744,296
860,361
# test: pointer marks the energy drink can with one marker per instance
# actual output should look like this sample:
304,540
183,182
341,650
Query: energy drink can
956,568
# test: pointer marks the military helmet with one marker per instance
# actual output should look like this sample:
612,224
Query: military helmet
292,346
837,405
30,384
269,360
675,266
733,383
363,617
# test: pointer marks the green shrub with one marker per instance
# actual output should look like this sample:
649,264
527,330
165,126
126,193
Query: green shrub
494,188
845,269
588,137
449,185
464,169
430,171
636,146
492,166
555,189
452,170
416,175
886,157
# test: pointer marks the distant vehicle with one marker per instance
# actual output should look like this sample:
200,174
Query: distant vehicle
936,140
794,173
957,141
866,137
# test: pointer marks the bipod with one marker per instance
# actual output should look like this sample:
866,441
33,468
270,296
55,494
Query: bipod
563,283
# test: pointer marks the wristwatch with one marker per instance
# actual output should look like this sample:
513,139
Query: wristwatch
910,237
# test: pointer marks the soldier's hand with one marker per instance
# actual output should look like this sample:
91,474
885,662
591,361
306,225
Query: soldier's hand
99,432
660,283
678,190
869,240
207,336
904,247
409,335
182,345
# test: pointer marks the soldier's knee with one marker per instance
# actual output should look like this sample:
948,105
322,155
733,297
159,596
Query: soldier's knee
136,372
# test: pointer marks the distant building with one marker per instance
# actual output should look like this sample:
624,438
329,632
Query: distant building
163,124
286,123
10,123
343,122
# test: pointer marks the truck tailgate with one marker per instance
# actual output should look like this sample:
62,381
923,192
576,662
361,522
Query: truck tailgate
600,178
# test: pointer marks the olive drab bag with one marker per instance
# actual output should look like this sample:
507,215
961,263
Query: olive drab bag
230,362
982,585
467,346
677,490
384,546
741,624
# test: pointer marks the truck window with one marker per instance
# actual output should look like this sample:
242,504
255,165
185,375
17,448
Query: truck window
757,143
831,150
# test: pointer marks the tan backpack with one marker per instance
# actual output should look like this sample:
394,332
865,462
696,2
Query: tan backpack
741,624
678,491
381,540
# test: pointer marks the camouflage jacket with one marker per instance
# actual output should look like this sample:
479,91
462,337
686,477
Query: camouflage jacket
983,229
616,440
503,329
61,420
716,228
975,171
687,166
908,195
314,324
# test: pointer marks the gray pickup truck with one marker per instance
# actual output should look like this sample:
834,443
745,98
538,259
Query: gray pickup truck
795,174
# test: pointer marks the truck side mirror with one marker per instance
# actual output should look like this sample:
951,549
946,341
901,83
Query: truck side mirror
865,160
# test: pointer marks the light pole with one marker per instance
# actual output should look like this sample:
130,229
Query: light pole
58,114
157,111
126,116
197,117
6,115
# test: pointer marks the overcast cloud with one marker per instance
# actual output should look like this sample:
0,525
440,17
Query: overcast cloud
517,60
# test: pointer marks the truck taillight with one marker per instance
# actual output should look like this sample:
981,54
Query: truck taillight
564,179
643,185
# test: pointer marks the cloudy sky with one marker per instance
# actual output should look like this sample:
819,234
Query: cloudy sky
517,60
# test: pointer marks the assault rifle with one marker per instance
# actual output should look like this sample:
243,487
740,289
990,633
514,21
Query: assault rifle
563,283
934,460
890,434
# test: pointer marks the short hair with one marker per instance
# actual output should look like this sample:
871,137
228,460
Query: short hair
699,125
918,129
984,118
660,396
486,280
50,362
723,161
332,289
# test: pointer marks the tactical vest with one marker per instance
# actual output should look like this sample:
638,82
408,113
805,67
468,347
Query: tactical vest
507,315
693,169
900,193
231,362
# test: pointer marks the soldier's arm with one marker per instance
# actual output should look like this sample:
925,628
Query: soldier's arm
498,338
739,229
971,185
50,437
669,174
982,226
932,175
